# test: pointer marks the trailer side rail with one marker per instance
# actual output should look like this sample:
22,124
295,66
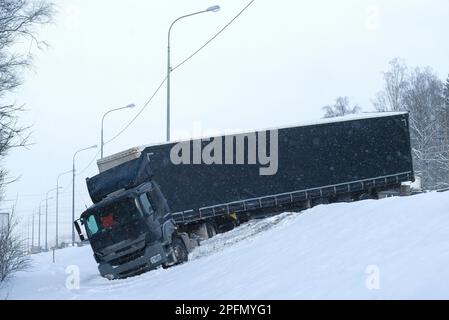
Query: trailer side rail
290,197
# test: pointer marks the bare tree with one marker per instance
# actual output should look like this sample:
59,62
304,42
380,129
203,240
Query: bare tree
19,23
420,92
443,152
424,100
13,257
11,136
391,98
340,108
19,20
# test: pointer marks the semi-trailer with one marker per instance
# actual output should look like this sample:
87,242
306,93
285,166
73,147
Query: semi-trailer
153,204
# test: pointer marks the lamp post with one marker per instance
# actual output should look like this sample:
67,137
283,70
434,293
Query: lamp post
57,205
73,189
210,9
46,216
39,227
102,123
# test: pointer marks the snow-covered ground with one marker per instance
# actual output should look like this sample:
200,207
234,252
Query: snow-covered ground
392,248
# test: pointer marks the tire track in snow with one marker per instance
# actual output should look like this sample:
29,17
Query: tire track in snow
244,232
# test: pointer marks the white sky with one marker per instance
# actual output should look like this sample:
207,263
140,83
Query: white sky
278,64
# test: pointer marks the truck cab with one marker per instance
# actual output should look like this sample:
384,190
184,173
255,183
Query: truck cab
131,231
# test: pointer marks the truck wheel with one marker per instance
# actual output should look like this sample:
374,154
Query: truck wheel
179,250
364,196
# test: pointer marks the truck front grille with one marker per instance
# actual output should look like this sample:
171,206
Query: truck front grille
127,258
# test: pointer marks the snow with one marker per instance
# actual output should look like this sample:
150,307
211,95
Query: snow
201,135
416,185
327,252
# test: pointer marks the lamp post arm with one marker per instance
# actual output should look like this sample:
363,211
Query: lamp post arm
75,154
49,192
108,112
182,17
59,176
73,185
102,124
169,69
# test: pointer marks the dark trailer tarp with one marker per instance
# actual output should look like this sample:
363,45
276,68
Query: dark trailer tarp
326,153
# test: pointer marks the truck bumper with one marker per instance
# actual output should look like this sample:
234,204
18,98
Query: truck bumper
153,257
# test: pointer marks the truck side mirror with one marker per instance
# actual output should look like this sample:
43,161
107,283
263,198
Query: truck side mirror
78,229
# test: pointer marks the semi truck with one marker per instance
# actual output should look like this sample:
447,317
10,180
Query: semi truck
152,205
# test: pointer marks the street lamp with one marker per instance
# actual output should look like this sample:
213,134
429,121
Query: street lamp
102,122
169,70
73,190
57,204
46,216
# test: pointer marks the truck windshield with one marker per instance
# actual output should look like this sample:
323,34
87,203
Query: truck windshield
117,213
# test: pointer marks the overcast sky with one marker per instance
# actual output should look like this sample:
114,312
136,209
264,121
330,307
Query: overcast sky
278,64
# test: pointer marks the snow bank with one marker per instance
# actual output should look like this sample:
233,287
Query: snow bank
396,248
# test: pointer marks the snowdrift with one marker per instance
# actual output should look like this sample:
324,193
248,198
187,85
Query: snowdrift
396,248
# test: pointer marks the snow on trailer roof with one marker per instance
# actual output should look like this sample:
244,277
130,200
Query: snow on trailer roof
352,117
135,152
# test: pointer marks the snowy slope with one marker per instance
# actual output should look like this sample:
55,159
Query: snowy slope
324,252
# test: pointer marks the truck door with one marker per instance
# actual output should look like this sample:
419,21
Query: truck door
151,216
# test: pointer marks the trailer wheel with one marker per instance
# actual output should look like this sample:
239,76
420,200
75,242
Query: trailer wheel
211,231
368,196
179,250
